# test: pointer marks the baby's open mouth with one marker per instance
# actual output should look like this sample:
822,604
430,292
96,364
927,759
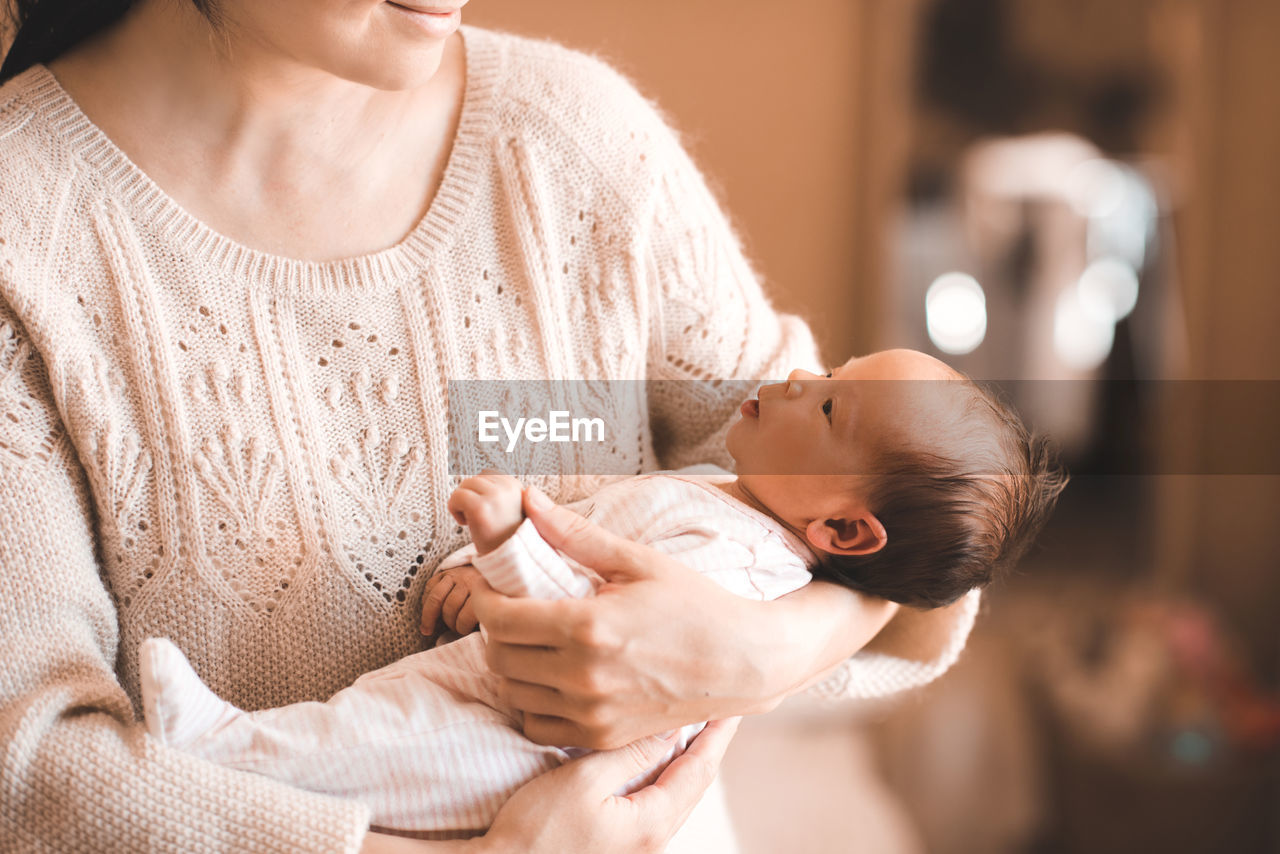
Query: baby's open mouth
750,408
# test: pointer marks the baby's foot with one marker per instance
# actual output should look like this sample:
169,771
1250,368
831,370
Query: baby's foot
179,708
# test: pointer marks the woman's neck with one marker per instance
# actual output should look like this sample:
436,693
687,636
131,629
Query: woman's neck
226,129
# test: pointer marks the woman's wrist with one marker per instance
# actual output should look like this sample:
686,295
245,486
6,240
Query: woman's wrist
765,655
485,845
768,651
810,632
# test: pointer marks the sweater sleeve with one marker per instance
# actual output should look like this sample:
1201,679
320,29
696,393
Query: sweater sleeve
714,334
915,648
78,771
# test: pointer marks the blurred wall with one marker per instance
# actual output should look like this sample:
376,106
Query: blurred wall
1223,529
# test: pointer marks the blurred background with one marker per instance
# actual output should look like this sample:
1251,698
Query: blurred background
1081,197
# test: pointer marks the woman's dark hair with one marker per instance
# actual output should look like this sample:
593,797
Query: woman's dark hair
44,29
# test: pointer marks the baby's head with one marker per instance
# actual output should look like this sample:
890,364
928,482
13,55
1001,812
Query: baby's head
911,482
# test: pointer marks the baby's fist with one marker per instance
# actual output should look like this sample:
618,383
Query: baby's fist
490,505
447,599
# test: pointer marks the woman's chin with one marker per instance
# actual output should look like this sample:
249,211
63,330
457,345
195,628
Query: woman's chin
400,77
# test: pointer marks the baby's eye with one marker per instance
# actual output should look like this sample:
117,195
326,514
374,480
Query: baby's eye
826,410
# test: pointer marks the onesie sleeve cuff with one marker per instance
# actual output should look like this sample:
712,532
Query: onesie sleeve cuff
526,565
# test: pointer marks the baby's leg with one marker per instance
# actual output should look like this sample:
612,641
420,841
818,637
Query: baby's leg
179,708
423,741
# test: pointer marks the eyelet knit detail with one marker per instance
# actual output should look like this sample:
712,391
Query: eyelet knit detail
25,430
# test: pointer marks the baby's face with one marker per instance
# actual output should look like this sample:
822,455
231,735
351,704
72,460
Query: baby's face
815,426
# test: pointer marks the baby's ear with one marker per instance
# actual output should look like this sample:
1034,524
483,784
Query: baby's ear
859,535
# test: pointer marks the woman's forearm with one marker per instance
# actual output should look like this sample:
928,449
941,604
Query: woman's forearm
809,632
382,843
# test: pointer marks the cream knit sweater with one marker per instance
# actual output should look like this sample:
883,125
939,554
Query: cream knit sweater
247,454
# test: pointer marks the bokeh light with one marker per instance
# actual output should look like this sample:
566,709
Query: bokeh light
1096,187
1108,288
956,313
1082,338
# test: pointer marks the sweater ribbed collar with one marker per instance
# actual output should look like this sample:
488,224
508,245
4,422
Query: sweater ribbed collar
155,209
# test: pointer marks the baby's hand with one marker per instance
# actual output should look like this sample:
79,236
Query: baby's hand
447,598
490,505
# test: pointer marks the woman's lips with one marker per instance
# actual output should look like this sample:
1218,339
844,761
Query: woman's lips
426,9
436,21
750,408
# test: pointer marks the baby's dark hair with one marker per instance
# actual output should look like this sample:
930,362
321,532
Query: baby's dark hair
955,524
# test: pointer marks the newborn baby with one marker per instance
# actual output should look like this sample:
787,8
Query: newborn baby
892,475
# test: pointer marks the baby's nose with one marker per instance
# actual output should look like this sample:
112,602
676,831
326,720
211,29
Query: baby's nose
794,382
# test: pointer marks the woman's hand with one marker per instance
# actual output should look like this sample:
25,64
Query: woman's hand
573,809
659,646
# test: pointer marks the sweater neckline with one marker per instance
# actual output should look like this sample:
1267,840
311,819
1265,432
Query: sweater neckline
425,242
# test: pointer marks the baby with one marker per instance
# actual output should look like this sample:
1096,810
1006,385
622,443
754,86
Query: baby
892,475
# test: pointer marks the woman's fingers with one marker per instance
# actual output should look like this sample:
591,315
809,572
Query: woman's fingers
529,622
553,730
545,720
613,557
708,746
608,770
573,809
541,665
682,783
552,717
530,698
636,758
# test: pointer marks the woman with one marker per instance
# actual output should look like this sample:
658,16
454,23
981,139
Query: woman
243,248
